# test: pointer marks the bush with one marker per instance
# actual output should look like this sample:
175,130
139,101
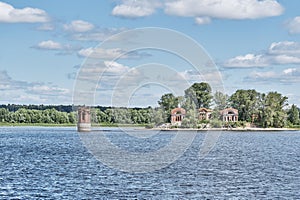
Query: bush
216,123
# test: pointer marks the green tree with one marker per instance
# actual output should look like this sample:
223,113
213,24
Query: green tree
156,116
4,115
247,102
272,112
293,115
200,94
72,117
220,100
168,102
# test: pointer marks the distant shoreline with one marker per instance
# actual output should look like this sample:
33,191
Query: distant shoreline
247,129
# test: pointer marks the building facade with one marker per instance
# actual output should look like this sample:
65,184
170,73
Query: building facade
177,115
204,114
229,115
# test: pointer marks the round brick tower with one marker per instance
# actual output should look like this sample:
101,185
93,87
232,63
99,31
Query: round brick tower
84,119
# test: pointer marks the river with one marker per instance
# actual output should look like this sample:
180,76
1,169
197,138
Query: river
53,163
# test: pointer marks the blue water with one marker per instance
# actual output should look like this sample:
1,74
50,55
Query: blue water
52,163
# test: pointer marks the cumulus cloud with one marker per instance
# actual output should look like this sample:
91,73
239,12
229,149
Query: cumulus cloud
286,76
62,49
285,52
111,67
224,9
47,90
49,45
285,48
100,53
9,14
202,20
17,91
203,11
79,26
135,9
248,60
294,25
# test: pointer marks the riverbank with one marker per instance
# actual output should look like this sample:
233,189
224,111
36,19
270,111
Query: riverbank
227,129
2,124
143,126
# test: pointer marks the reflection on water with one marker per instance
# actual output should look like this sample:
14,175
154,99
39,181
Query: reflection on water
52,163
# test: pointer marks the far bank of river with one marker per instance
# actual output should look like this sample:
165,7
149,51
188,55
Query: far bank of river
142,126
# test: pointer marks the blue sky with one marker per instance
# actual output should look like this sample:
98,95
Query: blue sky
254,43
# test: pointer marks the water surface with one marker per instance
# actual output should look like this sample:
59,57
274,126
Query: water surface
52,163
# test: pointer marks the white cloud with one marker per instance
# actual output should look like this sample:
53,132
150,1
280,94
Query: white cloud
285,48
62,49
202,20
79,26
16,91
289,70
224,9
294,25
49,45
115,67
110,67
47,90
135,9
9,14
248,60
286,76
101,53
285,52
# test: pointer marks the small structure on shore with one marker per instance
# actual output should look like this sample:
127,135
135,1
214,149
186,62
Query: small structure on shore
177,115
84,119
229,115
204,114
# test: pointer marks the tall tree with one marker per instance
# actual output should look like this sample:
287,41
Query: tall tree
293,115
220,100
272,112
168,102
246,102
200,94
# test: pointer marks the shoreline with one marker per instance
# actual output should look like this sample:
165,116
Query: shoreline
227,129
140,126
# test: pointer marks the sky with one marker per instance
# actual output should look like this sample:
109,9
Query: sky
254,44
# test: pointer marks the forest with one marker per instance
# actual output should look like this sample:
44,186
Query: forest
260,109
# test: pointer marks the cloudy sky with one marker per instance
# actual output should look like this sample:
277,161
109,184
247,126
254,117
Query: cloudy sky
255,44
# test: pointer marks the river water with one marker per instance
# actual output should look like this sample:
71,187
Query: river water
53,163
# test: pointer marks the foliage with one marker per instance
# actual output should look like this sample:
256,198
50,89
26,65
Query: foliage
200,94
168,102
221,100
293,115
272,112
247,102
215,123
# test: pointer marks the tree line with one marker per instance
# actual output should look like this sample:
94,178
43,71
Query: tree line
259,109
264,110
107,115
